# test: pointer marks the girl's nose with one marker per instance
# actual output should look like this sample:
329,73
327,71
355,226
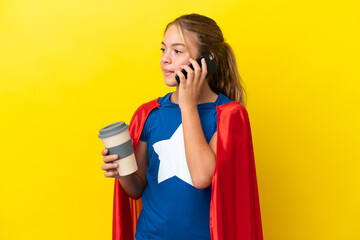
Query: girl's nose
165,58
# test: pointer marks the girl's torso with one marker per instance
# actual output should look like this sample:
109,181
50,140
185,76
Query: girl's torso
172,207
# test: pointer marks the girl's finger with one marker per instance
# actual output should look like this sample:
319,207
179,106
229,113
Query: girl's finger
108,166
203,69
111,173
104,152
196,67
110,158
190,73
181,77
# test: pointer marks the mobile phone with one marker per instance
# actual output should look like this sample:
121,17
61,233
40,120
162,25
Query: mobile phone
210,63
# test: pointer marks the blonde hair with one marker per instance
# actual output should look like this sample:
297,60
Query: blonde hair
209,36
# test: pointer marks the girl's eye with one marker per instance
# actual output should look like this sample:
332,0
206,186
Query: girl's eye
176,51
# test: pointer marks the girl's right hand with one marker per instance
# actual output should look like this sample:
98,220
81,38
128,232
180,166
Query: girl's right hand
110,166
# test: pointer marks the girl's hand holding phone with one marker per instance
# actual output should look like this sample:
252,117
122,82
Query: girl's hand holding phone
189,89
109,166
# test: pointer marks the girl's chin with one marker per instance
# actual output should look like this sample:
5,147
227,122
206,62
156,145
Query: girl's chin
170,82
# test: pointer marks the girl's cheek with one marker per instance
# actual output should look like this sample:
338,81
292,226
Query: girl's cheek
183,63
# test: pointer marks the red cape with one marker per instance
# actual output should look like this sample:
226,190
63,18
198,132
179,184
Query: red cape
234,207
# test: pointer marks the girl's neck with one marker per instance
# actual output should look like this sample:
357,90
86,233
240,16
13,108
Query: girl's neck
206,95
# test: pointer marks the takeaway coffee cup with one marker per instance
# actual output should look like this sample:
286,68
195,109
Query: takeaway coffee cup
116,138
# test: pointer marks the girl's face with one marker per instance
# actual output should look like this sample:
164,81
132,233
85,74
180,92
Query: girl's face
175,54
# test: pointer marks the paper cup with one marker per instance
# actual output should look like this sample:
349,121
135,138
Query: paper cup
116,138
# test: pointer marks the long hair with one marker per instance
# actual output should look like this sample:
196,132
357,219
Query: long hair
209,37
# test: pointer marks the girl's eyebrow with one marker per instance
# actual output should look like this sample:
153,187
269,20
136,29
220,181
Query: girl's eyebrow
174,44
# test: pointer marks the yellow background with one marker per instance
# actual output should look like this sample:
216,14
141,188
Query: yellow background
69,68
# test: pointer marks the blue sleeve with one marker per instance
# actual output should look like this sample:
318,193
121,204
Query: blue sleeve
215,122
144,135
147,129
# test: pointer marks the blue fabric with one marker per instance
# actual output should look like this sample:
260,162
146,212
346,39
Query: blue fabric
172,207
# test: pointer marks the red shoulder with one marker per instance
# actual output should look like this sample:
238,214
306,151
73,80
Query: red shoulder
138,119
150,104
143,111
232,108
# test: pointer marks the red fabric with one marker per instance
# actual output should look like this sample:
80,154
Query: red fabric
125,209
234,207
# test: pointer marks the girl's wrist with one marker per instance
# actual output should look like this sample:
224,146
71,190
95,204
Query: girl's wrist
188,109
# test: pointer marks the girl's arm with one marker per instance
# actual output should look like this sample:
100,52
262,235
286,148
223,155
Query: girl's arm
134,184
200,155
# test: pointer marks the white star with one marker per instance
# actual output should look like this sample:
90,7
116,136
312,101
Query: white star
172,158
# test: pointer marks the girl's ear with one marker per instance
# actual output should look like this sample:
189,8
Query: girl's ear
212,54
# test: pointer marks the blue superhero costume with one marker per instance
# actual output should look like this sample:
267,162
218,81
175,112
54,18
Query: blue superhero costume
172,207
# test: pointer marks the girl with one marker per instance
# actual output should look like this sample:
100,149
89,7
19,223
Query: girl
186,177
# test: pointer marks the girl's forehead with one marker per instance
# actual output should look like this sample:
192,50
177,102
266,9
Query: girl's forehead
172,37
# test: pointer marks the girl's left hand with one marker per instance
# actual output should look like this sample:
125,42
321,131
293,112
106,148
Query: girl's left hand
190,88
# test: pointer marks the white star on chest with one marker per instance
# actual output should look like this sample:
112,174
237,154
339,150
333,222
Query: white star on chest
172,158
